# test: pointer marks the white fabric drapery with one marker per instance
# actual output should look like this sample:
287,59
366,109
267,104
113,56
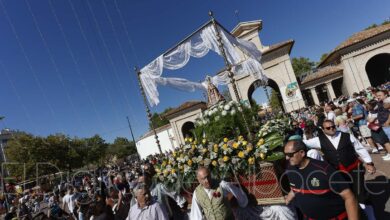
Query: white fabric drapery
198,45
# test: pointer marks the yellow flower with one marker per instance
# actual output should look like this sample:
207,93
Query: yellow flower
241,154
225,146
244,143
193,147
204,150
189,162
195,142
185,139
240,138
236,145
261,142
249,149
262,156
164,163
251,160
173,171
165,172
174,154
214,163
225,158
204,141
190,139
158,171
225,140
215,148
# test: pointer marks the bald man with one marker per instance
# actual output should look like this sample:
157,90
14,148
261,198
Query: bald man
210,198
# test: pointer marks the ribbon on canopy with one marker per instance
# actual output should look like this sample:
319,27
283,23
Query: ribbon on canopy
198,45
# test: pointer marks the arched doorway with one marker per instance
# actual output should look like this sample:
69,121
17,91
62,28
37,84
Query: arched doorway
378,69
257,94
187,128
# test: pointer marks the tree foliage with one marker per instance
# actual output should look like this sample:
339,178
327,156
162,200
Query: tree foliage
122,147
274,101
302,65
158,120
54,153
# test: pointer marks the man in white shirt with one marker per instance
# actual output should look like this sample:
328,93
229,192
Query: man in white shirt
210,198
146,208
69,200
341,150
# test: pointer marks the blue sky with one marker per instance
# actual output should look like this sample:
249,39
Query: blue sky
67,65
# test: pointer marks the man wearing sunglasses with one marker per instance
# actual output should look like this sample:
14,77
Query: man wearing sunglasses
316,188
345,153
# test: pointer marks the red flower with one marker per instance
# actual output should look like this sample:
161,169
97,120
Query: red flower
217,194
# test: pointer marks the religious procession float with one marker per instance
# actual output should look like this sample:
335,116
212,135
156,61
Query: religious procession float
229,138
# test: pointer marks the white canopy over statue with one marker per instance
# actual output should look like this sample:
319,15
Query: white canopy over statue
242,55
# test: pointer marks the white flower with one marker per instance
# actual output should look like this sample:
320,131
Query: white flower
206,112
224,113
227,107
232,112
217,117
210,113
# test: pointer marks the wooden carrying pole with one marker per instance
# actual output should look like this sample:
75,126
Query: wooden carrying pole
230,73
148,113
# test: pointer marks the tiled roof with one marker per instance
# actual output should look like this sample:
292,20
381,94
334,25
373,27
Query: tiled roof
159,129
357,38
184,106
320,73
278,45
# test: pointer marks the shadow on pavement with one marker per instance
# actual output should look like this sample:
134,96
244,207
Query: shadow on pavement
379,189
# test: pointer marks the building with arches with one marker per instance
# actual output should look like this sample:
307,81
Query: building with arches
361,61
281,77
277,67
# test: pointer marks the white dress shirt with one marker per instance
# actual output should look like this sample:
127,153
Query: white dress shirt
242,199
153,211
335,140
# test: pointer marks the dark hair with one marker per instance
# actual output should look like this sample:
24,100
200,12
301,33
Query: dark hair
372,103
327,120
298,145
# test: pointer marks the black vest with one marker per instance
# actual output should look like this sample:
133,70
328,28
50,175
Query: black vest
344,154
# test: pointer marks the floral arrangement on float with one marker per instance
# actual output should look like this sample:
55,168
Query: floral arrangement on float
231,156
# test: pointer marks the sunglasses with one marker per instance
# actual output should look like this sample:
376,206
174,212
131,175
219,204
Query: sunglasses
291,154
330,127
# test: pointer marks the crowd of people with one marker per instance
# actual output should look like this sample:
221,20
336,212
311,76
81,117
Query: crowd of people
334,136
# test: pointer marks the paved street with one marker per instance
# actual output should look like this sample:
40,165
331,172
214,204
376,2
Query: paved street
379,185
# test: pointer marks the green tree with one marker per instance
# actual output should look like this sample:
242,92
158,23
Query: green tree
274,101
122,147
18,150
97,149
158,120
302,65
